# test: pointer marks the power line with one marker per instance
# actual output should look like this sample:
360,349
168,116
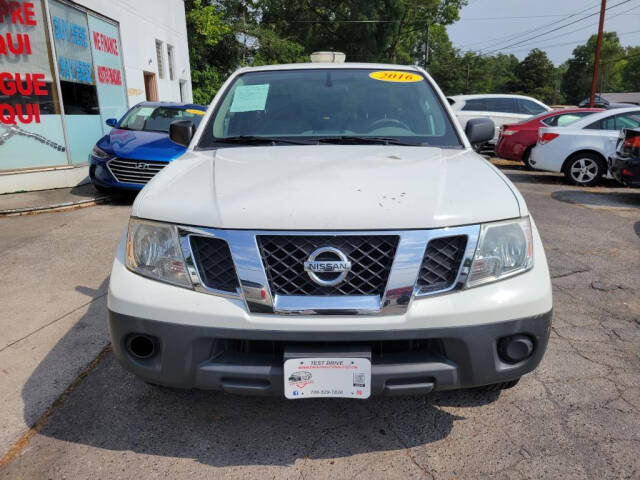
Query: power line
527,17
516,35
572,42
554,29
581,28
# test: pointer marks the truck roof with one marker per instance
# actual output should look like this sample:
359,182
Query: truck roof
314,65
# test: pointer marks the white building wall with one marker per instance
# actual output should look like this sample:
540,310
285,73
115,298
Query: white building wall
142,22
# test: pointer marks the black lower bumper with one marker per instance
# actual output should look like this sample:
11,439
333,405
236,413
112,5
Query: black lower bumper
626,170
251,361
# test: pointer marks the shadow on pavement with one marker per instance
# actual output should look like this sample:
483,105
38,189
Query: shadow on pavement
69,357
85,190
113,410
519,174
618,199
636,228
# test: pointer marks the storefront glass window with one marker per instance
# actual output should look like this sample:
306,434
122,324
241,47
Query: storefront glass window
72,39
31,132
107,57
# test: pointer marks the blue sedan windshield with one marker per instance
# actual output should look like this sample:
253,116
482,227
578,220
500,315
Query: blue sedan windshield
157,119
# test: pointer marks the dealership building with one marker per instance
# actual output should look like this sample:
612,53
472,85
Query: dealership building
65,67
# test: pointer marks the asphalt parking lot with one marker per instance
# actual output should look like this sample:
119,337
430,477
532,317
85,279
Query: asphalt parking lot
577,416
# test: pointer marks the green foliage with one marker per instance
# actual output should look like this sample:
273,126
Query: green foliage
207,30
272,49
631,70
226,34
534,76
576,83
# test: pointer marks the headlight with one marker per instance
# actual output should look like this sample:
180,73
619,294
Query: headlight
99,153
153,250
504,249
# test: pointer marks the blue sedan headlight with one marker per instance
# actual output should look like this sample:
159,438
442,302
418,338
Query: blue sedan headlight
99,153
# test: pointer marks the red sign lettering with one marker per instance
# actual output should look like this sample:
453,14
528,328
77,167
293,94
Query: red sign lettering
105,44
109,75
25,84
31,84
22,13
26,113
22,44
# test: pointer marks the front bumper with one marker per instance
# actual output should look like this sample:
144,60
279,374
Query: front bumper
457,334
102,176
625,170
447,358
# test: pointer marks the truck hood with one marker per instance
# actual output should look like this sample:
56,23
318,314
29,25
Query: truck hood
329,187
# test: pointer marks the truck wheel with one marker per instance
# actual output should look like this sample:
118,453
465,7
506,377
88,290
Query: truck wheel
495,387
584,169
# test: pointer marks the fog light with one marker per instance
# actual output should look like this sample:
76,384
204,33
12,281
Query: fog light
515,348
142,346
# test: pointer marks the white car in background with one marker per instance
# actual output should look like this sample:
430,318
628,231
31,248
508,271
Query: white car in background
580,150
502,109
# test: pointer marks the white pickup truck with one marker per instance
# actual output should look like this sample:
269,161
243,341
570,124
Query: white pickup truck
330,232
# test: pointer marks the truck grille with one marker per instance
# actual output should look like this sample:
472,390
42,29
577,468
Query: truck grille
441,263
134,171
214,263
371,258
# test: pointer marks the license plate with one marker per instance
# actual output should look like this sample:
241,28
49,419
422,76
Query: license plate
327,377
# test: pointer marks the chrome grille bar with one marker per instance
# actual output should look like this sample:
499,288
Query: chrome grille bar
401,288
138,172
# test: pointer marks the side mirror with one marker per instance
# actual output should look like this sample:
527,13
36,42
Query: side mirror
480,130
181,132
112,122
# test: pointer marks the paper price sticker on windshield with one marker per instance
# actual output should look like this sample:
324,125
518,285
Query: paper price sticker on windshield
249,98
395,76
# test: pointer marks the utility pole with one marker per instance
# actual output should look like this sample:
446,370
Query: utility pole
426,49
244,33
596,61
468,68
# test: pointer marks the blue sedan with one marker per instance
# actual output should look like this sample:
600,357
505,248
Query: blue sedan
138,145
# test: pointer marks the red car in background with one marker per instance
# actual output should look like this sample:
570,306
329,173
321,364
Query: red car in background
516,140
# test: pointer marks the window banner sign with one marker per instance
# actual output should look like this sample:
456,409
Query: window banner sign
107,59
71,39
72,42
30,123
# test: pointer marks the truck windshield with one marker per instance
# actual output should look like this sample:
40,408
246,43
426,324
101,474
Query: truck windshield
350,106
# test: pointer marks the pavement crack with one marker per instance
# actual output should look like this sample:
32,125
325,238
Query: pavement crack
50,323
407,448
23,441
572,272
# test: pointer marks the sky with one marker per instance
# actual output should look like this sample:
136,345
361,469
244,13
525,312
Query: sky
482,26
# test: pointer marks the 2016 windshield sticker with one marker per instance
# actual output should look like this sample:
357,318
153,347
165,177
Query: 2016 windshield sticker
249,98
194,111
395,76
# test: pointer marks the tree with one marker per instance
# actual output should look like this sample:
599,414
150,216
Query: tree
631,70
207,31
534,76
365,30
576,83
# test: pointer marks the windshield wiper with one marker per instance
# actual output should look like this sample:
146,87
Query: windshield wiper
354,140
255,140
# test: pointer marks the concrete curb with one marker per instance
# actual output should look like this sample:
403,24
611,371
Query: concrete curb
55,207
